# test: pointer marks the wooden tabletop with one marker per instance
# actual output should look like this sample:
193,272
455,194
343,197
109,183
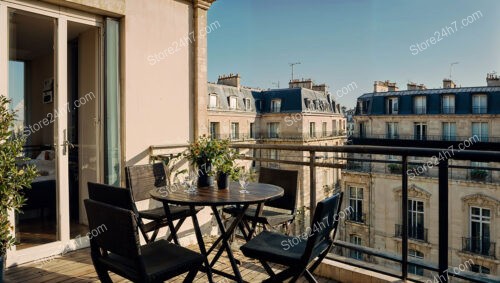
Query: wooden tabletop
259,192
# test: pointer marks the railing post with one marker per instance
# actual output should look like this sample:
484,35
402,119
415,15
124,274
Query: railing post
443,216
312,184
404,215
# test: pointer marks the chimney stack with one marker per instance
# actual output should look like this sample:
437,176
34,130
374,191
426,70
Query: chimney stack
298,83
379,86
448,83
492,79
414,86
321,87
230,80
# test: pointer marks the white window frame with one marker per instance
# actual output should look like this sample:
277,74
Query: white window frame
420,104
447,133
247,104
213,101
414,216
312,129
276,105
394,102
480,129
479,103
418,130
448,104
392,130
324,129
235,130
233,102
356,240
273,129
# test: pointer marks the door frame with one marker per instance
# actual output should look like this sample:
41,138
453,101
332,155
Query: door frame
62,15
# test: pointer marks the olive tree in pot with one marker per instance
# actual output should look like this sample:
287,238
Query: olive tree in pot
14,178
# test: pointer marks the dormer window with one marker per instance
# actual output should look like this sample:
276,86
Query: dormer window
276,105
247,104
391,105
233,102
213,101
308,103
258,104
419,105
479,104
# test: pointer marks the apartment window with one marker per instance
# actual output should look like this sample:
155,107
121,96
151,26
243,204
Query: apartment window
448,104
214,129
416,219
362,130
391,105
312,129
392,130
417,270
233,102
276,105
420,105
213,101
356,204
420,131
479,104
273,154
273,129
479,241
308,103
252,130
480,129
258,104
449,131
479,269
247,104
323,129
235,131
355,254
335,126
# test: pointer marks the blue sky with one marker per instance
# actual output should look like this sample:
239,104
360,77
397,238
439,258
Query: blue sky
344,41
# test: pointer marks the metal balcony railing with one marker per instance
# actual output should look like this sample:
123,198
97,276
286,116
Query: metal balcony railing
479,109
414,233
278,135
308,158
419,110
357,217
448,110
472,137
480,246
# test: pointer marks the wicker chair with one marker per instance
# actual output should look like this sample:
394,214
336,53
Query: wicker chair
269,218
298,258
141,179
114,244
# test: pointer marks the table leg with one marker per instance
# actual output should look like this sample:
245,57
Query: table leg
173,232
201,243
258,212
225,236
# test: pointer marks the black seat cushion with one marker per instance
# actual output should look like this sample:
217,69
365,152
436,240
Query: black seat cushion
279,248
158,213
161,259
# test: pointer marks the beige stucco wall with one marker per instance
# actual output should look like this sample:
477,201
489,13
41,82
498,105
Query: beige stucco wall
157,94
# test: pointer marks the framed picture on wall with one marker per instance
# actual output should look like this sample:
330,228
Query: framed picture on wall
48,90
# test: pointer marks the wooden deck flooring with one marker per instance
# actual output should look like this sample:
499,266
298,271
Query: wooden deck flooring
77,267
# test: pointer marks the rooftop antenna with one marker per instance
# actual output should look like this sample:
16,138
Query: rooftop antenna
292,65
451,65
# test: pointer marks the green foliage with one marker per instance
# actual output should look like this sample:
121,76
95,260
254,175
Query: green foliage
478,174
216,152
13,177
395,168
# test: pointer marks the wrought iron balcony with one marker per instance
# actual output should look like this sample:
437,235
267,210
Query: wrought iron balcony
479,109
448,110
357,217
480,246
420,110
414,233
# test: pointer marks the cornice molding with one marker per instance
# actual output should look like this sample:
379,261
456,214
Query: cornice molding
203,4
414,191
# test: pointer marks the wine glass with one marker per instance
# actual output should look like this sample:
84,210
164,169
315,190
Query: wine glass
243,180
189,181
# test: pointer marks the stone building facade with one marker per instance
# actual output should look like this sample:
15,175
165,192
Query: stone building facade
303,114
451,118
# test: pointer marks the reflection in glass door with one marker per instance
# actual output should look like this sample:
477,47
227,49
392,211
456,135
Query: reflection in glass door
32,90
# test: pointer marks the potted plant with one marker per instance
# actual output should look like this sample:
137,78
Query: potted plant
478,174
202,153
395,168
13,178
225,166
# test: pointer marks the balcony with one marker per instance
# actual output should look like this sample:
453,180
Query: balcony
419,110
357,217
448,110
414,233
311,161
479,109
479,246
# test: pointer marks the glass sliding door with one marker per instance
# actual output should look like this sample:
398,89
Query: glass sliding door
31,77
